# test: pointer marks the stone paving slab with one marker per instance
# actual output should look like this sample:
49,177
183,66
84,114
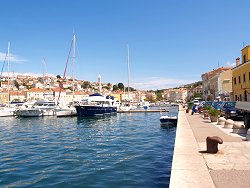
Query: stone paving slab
190,179
204,128
193,167
188,166
231,178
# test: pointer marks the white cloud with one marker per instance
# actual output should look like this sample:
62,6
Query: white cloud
160,83
229,64
27,74
13,58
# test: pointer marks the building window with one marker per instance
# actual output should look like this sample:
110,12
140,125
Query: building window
235,81
244,77
239,80
235,98
240,98
249,76
245,95
244,59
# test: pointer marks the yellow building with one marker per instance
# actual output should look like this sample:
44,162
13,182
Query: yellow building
225,85
4,97
241,76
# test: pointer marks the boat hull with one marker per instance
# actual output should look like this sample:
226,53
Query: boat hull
65,112
6,113
34,113
166,120
94,110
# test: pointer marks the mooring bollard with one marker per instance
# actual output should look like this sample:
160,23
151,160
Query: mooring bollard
212,143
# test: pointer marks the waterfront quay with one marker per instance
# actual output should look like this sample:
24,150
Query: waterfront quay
193,167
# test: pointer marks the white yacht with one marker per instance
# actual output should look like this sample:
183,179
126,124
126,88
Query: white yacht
6,111
65,110
39,108
96,104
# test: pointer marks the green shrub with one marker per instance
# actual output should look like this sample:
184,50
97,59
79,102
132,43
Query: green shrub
207,107
213,112
190,105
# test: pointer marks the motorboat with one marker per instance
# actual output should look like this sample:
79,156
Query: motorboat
96,104
65,110
168,120
125,107
144,105
39,108
7,111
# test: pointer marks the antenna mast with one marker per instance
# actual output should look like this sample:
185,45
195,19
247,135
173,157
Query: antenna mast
8,74
73,65
128,74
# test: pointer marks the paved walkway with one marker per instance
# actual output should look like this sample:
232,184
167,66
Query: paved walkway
191,167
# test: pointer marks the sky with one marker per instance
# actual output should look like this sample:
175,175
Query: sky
171,42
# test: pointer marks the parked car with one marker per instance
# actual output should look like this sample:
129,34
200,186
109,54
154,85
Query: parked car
218,105
229,111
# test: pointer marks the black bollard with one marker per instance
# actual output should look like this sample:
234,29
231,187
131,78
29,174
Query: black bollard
212,143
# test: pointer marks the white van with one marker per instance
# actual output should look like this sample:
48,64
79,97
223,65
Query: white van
197,102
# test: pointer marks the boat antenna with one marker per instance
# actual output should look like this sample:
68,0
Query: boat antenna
44,73
5,58
128,72
8,74
73,65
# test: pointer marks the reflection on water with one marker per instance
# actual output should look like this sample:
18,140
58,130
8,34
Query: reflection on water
123,150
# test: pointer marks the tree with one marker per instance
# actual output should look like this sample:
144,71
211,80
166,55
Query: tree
85,84
120,86
150,99
130,89
16,84
197,95
115,88
109,86
105,87
159,96
40,79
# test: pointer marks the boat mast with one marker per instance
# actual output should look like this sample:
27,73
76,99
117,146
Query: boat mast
128,75
8,100
43,69
73,65
64,73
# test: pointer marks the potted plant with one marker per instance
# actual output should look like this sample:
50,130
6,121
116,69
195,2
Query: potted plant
213,114
189,106
205,111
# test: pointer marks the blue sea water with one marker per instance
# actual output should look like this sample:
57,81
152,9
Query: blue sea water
123,150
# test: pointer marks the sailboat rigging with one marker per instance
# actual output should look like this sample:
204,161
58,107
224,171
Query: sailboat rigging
69,110
128,104
128,74
65,69
8,111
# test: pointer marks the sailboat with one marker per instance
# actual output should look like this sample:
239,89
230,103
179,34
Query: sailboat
7,110
61,109
127,106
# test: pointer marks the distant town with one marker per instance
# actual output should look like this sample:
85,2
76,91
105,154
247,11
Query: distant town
223,83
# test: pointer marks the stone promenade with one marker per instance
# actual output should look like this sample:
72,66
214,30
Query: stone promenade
193,167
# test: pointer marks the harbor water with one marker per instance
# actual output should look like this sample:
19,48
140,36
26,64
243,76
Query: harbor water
122,150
